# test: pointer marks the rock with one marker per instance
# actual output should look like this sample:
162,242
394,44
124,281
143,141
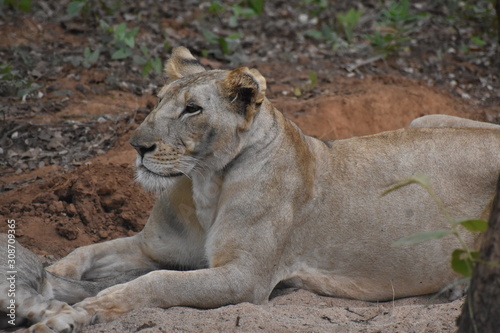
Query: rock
71,210
67,231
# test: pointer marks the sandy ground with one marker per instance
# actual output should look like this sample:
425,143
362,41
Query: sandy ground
297,311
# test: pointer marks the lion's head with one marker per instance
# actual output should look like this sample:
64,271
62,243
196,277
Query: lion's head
198,122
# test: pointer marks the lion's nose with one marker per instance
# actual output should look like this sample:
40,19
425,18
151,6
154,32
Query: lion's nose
142,150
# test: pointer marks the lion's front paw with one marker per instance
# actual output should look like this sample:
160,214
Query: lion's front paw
67,321
65,269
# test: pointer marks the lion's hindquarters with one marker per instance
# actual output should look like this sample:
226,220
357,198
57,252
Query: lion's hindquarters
350,237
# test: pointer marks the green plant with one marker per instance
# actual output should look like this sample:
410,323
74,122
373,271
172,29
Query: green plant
88,58
393,30
75,7
477,14
13,83
123,39
313,83
462,259
346,23
118,41
247,9
349,21
24,5
149,64
328,35
123,45
93,8
315,7
226,44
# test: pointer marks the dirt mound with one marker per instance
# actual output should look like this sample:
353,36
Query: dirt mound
353,107
93,203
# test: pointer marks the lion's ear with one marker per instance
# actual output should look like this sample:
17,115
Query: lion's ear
182,63
246,90
247,86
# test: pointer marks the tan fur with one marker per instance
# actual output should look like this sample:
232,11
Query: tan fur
446,121
247,200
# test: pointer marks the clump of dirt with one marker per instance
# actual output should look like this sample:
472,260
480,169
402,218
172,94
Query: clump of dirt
93,203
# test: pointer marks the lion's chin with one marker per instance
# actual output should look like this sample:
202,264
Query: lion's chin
153,182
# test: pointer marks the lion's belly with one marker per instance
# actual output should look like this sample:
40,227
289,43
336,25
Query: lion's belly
369,288
350,252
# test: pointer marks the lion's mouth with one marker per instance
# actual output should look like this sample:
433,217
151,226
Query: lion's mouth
168,175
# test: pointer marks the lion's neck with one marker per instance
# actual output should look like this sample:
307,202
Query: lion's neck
206,193
257,144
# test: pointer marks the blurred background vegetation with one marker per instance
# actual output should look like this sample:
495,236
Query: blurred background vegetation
139,34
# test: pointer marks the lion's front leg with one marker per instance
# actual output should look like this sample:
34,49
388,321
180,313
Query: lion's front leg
206,288
104,260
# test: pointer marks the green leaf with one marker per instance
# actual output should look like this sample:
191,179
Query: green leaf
209,36
24,5
314,34
461,263
233,21
422,180
144,50
233,36
74,60
478,41
120,30
313,77
422,237
148,67
247,12
94,56
129,38
121,53
216,7
104,26
152,65
157,65
75,7
473,225
139,60
257,6
224,46
328,32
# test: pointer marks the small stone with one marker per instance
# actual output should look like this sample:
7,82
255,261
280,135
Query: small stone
71,210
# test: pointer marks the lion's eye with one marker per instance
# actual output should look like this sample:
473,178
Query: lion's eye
191,109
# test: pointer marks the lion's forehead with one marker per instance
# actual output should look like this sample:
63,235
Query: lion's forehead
178,87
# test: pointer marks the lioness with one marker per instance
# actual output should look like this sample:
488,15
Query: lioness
247,200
